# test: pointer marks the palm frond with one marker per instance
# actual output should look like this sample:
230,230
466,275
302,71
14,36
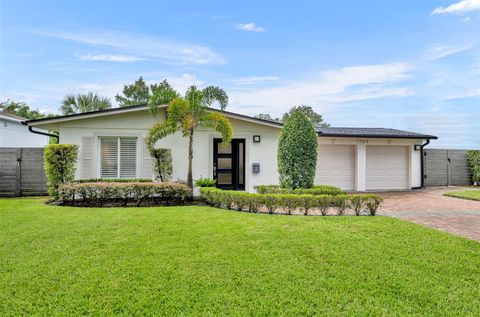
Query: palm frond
158,131
212,94
219,123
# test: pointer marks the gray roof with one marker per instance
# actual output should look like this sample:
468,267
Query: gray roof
372,133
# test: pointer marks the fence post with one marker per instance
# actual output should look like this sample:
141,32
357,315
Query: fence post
18,173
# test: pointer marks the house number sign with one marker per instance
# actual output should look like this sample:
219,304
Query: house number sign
362,140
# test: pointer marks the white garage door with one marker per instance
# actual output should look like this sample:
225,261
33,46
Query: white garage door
387,167
336,166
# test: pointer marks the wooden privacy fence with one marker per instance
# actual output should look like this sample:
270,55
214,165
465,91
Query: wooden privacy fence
21,172
446,168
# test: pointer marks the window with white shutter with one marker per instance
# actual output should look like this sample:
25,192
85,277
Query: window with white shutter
118,157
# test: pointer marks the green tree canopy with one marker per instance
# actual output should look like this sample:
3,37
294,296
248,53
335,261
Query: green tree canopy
186,113
21,109
139,92
297,152
267,116
84,103
315,118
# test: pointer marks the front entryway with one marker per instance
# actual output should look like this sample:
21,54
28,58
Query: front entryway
229,164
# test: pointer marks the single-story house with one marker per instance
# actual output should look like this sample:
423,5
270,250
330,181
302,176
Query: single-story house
354,159
14,134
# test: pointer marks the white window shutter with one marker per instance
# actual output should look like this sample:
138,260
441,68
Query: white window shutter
108,157
87,157
128,157
147,164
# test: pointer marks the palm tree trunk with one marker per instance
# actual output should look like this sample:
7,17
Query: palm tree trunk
190,160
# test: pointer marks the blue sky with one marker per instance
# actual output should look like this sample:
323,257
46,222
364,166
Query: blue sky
412,65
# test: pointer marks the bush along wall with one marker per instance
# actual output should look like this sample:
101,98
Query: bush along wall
288,203
102,194
297,152
59,164
315,190
473,159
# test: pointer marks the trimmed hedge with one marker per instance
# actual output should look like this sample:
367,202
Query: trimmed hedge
315,190
289,203
59,164
473,159
113,180
297,152
100,194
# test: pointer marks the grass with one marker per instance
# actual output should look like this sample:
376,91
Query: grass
465,194
204,261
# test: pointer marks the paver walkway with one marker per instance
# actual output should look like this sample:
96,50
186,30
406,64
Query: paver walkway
457,216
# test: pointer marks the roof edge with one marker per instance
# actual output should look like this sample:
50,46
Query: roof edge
377,136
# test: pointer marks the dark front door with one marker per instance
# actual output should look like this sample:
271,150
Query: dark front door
229,164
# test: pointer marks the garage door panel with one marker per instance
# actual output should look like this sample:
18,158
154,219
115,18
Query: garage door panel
336,166
387,168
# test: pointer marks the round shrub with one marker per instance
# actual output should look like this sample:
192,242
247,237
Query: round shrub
297,152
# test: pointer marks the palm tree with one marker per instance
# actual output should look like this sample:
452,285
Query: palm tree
187,113
84,103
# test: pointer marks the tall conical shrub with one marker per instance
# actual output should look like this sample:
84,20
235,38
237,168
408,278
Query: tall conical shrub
297,152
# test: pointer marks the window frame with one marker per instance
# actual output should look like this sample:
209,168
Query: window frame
98,139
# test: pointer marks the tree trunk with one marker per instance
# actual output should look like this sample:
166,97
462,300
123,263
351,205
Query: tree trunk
190,159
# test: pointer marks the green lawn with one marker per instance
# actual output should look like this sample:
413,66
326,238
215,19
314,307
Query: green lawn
465,194
204,261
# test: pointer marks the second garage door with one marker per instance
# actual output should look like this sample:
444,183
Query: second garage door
387,168
336,166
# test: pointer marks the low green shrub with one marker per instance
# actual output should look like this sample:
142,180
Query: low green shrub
59,164
271,201
372,202
113,180
289,203
99,194
205,182
315,190
473,160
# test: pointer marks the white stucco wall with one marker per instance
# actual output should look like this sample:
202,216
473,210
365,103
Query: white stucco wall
137,124
14,134
265,152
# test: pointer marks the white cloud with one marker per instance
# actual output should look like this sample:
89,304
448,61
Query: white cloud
251,27
328,88
143,46
110,58
459,7
442,51
253,80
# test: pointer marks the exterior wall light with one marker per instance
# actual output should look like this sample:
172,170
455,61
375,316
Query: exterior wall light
256,139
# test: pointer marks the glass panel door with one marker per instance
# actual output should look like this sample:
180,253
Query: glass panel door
229,164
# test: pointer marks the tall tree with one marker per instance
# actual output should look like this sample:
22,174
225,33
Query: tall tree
138,93
315,118
186,113
84,103
297,152
23,110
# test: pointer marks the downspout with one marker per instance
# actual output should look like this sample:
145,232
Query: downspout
422,181
42,133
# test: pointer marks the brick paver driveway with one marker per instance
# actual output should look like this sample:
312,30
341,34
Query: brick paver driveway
430,208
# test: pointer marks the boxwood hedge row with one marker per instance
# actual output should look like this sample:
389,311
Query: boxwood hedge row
101,194
315,190
289,203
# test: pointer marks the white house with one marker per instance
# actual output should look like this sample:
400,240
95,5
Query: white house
355,159
15,134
